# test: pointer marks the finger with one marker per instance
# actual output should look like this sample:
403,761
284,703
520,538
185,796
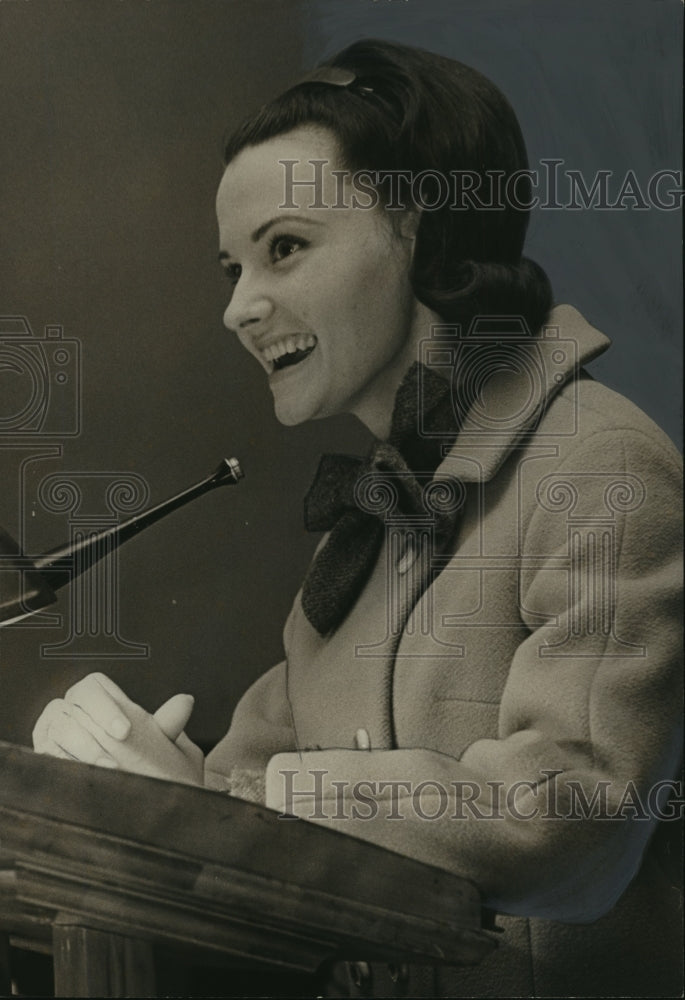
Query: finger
172,717
190,750
105,703
39,734
54,750
51,749
185,745
362,740
79,743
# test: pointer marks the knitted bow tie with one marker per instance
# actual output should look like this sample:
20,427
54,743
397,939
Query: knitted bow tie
407,461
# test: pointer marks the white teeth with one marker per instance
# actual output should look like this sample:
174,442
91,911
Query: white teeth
289,345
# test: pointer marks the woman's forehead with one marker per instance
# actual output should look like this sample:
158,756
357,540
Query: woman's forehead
291,168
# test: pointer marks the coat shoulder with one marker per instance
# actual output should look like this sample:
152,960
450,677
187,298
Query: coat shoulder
587,411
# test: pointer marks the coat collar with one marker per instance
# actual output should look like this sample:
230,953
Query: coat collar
529,375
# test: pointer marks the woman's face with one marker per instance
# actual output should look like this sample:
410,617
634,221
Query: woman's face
320,296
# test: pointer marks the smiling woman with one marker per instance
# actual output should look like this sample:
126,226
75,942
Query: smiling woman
481,669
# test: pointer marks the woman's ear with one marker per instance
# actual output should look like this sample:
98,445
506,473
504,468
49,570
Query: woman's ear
408,222
406,225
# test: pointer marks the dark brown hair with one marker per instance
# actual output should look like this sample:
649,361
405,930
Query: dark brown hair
410,110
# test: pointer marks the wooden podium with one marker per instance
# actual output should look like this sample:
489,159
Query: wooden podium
103,868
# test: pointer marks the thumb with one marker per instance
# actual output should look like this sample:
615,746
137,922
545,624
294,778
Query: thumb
173,715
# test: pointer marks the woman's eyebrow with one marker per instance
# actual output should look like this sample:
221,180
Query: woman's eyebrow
265,226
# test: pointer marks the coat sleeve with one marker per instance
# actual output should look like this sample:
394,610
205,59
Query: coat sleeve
261,727
551,818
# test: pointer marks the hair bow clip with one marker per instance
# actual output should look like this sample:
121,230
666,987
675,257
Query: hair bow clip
336,76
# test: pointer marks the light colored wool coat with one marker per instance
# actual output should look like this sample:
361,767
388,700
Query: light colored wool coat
535,664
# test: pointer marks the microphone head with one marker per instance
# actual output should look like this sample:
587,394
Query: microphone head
228,471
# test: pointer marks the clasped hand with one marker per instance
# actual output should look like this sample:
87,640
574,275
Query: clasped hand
97,723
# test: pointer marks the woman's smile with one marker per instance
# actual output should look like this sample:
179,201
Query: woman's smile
287,351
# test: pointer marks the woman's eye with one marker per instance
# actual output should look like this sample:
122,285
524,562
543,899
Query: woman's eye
281,247
233,272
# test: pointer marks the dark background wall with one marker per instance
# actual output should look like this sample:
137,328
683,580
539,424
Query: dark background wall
111,115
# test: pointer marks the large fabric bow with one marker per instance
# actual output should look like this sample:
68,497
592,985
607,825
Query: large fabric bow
423,424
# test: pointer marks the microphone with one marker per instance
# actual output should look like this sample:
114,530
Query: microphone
23,587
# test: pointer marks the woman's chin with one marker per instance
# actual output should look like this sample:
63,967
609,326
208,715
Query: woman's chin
289,419
291,412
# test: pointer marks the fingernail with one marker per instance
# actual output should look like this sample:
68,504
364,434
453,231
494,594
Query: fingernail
362,740
119,728
106,762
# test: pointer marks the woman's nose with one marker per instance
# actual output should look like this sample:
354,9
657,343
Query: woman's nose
246,309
